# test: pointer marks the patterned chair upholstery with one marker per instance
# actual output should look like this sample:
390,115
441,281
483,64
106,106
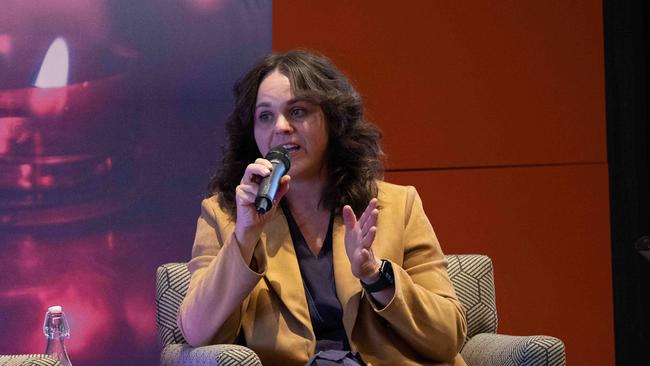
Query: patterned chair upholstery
172,280
28,360
473,279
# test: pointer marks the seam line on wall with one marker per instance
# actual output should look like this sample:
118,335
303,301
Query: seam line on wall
508,166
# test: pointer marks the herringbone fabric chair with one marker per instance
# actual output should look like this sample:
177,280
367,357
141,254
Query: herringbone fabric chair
473,279
28,360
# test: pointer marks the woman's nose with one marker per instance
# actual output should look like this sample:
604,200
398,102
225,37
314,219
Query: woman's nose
282,125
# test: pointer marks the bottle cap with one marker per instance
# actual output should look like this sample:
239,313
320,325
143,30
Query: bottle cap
55,309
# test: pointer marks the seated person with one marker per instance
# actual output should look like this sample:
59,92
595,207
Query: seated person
344,267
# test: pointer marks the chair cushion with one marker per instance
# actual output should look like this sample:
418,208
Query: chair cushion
504,350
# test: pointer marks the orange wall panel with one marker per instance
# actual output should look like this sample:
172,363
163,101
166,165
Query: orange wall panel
547,232
466,83
495,112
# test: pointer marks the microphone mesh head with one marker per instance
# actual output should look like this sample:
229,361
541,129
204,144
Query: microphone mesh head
281,154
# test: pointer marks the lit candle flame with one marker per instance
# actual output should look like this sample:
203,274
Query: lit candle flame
55,66
50,95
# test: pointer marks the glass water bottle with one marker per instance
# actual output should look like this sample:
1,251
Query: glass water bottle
56,330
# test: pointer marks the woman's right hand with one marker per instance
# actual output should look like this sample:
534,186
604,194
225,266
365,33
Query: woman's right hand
249,224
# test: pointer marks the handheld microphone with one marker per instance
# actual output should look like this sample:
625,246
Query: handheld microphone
279,158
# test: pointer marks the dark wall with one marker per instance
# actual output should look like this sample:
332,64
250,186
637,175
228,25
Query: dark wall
628,137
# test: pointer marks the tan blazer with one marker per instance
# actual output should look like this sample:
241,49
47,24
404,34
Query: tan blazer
423,324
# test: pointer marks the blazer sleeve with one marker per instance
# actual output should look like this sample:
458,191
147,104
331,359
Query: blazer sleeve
221,280
424,310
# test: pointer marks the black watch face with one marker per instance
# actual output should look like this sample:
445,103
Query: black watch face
386,272
386,278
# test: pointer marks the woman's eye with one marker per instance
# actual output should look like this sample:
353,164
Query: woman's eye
265,117
298,113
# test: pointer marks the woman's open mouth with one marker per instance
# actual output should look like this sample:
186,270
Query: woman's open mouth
291,147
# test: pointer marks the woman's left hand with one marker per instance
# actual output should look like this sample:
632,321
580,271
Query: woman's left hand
359,236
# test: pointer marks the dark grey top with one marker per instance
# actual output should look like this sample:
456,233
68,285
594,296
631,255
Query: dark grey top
320,289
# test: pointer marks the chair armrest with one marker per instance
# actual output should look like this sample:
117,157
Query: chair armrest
29,360
214,355
489,349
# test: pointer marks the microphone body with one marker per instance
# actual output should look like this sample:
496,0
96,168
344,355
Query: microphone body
279,158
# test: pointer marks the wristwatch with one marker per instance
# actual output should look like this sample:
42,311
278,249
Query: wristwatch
385,280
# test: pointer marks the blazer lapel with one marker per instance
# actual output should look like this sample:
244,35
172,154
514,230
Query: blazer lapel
348,287
283,272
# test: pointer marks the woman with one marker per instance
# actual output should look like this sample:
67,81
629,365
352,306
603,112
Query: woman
343,265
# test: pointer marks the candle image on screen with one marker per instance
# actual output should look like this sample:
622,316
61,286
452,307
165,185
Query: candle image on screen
66,140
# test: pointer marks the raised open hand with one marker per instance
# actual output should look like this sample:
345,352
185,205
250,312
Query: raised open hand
359,236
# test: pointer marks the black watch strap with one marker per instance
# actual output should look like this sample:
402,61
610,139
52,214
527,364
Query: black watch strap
385,280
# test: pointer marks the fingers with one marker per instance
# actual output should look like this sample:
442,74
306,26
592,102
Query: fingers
368,238
246,191
365,255
249,184
368,213
284,187
365,228
369,217
370,221
254,171
245,194
264,162
249,188
368,258
349,218
367,221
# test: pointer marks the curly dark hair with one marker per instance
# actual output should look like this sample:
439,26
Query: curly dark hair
354,155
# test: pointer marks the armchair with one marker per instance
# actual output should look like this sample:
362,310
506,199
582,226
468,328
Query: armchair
172,280
473,279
